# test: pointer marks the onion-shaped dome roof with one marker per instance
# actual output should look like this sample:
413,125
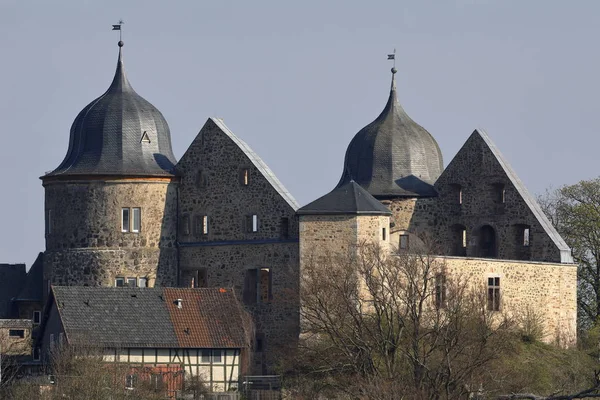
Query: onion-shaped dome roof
119,133
393,156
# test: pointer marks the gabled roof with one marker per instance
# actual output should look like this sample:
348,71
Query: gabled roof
350,198
565,251
149,317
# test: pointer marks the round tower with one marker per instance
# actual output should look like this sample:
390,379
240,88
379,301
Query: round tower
111,205
397,161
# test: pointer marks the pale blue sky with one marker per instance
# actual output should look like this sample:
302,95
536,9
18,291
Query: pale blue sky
296,80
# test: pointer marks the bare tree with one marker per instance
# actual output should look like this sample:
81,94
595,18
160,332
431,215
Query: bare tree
380,326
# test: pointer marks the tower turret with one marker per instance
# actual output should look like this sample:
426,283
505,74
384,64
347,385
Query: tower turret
111,205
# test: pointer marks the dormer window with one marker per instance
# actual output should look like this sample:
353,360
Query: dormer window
145,138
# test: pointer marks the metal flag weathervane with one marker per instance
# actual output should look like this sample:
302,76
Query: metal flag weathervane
118,28
393,57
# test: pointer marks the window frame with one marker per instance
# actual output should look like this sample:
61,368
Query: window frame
130,279
125,210
122,279
39,317
16,333
494,293
142,279
526,237
133,219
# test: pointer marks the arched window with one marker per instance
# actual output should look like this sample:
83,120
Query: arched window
487,242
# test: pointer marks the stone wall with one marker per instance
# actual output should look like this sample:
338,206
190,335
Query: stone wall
86,245
15,345
223,184
493,210
414,217
550,290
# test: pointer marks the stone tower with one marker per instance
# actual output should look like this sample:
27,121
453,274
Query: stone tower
397,161
111,205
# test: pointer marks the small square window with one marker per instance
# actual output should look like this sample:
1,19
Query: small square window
142,282
37,317
131,282
16,333
120,282
125,220
137,219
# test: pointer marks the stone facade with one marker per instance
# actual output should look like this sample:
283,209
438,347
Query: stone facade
85,242
547,289
480,194
237,228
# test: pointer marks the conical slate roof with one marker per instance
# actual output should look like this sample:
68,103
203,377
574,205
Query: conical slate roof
393,156
119,133
350,198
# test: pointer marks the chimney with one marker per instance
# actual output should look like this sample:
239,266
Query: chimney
179,302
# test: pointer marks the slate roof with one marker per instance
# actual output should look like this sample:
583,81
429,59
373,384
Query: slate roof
258,163
148,317
349,198
393,156
16,323
106,136
34,282
565,250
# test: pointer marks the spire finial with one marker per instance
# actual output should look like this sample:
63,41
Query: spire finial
118,28
394,70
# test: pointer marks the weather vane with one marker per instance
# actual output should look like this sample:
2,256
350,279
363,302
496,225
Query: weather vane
118,28
393,57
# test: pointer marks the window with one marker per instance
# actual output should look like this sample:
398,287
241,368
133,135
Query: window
252,223
16,333
200,225
49,222
383,234
36,354
137,219
125,220
142,282
185,225
202,278
284,227
258,286
131,282
456,193
119,282
145,138
440,291
130,381
131,219
245,177
156,381
205,357
499,193
202,179
37,317
493,295
403,242
211,356
526,237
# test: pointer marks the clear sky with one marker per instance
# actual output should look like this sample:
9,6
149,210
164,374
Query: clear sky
297,79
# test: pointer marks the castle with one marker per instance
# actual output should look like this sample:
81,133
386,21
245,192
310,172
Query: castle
120,210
